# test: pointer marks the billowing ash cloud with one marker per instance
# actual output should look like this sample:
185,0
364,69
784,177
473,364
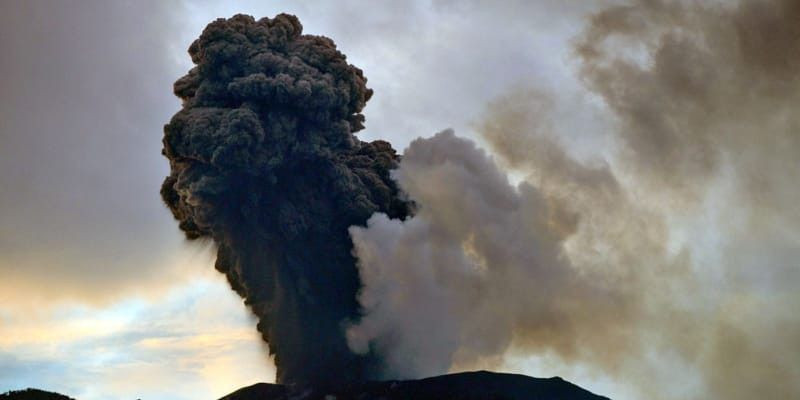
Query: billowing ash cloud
264,162
481,262
696,89
673,261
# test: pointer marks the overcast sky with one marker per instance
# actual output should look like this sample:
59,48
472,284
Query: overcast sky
100,296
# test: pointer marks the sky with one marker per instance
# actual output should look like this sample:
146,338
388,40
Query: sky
101,297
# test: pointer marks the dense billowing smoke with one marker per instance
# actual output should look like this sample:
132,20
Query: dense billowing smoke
717,88
672,265
484,266
479,263
264,162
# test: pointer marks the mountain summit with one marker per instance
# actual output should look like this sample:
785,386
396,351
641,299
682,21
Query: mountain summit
480,385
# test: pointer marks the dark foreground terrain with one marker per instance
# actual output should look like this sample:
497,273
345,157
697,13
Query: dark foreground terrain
32,394
480,385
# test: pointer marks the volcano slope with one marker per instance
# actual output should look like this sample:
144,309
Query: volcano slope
479,385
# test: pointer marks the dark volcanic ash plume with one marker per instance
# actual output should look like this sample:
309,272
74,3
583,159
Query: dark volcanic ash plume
264,162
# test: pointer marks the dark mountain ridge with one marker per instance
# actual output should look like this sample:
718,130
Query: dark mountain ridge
479,385
32,394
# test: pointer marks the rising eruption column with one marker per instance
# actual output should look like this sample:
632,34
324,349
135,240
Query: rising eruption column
264,161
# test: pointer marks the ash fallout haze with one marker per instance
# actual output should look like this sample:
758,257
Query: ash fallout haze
604,191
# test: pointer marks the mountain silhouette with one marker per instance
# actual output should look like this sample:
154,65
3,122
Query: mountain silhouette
480,385
33,394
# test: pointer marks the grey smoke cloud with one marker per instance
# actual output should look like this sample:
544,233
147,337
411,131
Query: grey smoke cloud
710,122
717,88
482,264
676,253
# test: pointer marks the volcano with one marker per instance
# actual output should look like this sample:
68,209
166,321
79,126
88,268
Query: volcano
479,385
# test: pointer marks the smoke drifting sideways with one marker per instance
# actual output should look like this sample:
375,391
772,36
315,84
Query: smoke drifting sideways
480,262
265,163
582,261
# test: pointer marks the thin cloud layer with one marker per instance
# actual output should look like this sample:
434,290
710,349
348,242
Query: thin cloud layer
188,343
82,104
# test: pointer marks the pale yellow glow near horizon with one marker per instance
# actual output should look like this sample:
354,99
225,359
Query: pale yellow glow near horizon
194,339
